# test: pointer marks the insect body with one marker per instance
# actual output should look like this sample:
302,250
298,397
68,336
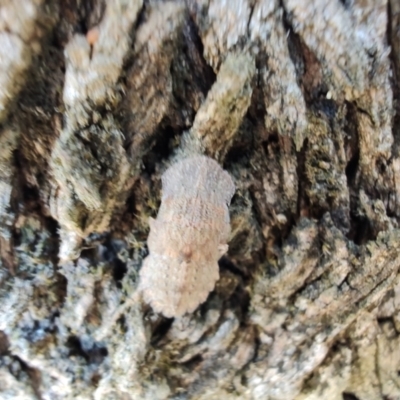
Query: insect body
188,236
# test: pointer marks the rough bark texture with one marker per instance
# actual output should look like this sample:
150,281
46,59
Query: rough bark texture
298,100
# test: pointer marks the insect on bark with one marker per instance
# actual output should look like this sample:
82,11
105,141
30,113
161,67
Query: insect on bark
188,236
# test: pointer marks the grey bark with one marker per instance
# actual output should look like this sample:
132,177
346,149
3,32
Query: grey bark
298,100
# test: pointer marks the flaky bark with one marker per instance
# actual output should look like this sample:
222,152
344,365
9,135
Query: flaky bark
298,100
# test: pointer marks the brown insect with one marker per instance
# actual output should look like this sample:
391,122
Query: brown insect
188,237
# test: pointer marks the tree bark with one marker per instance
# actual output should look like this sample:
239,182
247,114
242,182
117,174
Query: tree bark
297,100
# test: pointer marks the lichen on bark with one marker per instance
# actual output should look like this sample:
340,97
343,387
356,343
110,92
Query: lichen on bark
298,101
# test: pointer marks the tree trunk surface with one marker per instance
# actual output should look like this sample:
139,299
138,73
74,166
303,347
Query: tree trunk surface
296,100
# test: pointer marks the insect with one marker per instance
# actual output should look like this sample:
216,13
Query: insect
188,236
